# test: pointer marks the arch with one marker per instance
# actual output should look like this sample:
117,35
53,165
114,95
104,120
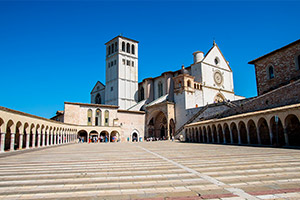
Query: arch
293,130
98,99
142,94
132,49
277,132
82,135
234,131
189,83
271,72
98,117
227,133
25,133
197,135
243,132
123,46
201,135
219,98
106,118
209,133
172,128
104,136
128,48
114,136
220,132
252,132
215,134
89,117
158,126
134,136
264,132
17,135
160,89
93,136
9,129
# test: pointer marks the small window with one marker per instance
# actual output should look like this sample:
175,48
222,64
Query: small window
128,62
109,50
106,115
217,61
89,116
271,72
115,62
298,62
132,49
116,47
132,64
189,83
123,46
123,60
160,89
112,48
112,88
109,65
179,84
128,48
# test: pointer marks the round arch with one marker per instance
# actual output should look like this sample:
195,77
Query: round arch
277,132
227,133
243,132
93,136
82,135
135,135
252,132
264,132
114,136
293,130
234,131
104,136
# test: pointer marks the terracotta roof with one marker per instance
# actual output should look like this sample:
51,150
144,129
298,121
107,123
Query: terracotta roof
93,105
122,38
268,54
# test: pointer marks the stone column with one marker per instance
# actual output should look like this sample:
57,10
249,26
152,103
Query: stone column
258,135
39,140
27,140
223,131
239,135
21,141
2,142
286,137
51,137
231,137
12,141
248,136
54,138
44,135
33,139
47,137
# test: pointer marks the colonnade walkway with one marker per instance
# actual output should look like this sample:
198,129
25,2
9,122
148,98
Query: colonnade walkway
153,170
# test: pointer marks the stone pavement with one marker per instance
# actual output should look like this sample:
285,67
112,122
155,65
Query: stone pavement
154,170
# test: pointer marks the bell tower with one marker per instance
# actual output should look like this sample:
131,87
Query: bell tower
121,72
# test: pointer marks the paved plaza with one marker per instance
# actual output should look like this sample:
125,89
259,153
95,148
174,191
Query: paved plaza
153,170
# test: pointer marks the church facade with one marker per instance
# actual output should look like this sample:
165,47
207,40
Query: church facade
168,100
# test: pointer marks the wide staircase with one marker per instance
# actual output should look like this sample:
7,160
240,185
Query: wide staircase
178,131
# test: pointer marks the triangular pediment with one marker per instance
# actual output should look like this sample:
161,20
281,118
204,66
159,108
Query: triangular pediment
213,54
98,87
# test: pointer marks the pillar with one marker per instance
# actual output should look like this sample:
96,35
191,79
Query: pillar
44,135
286,137
248,135
27,140
2,142
21,141
55,139
33,139
239,135
39,140
12,141
258,135
231,137
223,131
51,137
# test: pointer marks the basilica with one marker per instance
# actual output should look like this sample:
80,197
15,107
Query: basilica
157,107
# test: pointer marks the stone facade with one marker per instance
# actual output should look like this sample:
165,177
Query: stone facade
285,63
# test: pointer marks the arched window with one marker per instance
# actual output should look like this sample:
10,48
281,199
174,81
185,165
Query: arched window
89,117
271,72
98,117
116,46
132,49
142,94
189,83
219,98
106,117
128,48
123,46
109,50
112,48
98,99
179,84
160,89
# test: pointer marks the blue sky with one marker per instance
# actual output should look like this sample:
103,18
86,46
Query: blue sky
53,51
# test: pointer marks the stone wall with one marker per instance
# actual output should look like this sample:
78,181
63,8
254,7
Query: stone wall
285,69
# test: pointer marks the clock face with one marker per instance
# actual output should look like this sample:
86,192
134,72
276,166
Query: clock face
218,77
